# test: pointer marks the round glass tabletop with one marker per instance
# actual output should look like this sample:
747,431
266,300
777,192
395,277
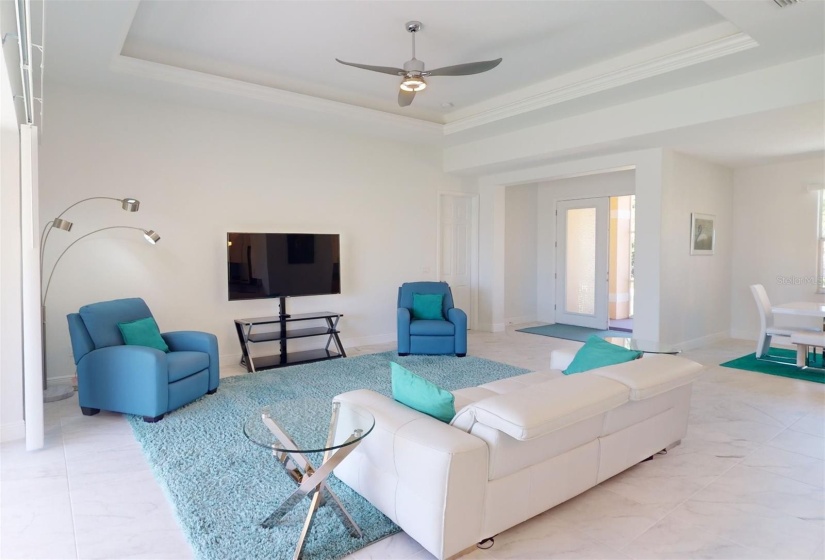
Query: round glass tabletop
348,424
646,346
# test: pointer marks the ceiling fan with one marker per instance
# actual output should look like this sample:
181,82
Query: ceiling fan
413,72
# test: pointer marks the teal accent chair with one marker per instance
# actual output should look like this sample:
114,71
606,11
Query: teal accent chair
427,336
137,379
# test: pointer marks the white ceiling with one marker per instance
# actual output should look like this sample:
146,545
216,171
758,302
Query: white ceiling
293,45
560,58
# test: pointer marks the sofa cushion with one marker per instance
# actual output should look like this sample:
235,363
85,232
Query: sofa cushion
596,353
184,364
101,319
654,375
470,395
542,408
422,395
431,327
510,384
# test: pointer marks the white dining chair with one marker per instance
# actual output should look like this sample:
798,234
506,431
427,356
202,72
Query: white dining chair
767,328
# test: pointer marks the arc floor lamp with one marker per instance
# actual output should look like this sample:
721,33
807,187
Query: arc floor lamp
59,392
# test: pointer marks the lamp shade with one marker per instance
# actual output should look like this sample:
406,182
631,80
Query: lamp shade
151,236
60,223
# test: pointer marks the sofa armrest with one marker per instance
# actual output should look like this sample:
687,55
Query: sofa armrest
403,331
197,341
129,379
459,318
425,475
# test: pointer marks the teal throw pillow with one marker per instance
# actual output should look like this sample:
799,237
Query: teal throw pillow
143,332
596,353
427,306
419,394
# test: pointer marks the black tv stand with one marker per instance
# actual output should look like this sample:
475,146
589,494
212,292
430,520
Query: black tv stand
329,328
282,308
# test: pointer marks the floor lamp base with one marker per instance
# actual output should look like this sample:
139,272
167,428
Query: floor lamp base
57,393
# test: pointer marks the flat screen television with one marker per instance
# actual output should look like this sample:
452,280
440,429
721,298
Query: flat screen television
277,265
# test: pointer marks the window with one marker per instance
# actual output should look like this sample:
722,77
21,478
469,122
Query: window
820,265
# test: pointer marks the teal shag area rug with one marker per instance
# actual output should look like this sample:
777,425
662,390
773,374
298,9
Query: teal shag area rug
222,486
573,332
783,366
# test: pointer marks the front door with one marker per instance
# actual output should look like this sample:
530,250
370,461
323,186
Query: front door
582,233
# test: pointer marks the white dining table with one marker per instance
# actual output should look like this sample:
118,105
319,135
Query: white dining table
802,309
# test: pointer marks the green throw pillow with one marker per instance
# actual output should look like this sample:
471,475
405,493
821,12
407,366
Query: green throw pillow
596,353
427,306
143,332
421,395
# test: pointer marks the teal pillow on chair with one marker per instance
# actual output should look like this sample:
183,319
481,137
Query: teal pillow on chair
596,353
143,332
427,306
421,395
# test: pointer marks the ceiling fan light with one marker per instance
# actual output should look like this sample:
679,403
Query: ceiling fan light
413,83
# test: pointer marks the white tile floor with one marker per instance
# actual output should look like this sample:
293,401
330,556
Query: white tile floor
747,482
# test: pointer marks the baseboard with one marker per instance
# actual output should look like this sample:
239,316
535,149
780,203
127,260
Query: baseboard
743,335
702,341
369,340
492,327
61,379
520,320
12,431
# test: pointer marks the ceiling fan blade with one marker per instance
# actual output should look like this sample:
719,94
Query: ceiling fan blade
405,97
464,69
382,69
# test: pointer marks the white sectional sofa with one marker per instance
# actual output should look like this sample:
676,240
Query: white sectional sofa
517,446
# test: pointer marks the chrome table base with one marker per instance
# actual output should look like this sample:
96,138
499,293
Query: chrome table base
311,481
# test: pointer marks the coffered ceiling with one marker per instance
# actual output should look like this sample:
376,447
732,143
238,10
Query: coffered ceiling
560,57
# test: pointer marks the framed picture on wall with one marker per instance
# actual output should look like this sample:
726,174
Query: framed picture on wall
702,234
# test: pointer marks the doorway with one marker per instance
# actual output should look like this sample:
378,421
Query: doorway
620,267
595,240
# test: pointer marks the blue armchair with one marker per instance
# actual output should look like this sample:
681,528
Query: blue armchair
137,379
447,335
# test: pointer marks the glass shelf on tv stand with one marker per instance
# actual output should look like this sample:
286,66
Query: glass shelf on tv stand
246,337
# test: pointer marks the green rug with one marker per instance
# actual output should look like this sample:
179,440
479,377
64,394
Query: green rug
222,486
789,369
573,332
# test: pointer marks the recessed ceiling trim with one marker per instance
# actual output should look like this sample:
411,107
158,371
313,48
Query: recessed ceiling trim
220,84
654,67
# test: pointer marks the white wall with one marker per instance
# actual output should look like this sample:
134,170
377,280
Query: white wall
549,194
491,266
520,243
695,288
774,238
11,334
201,173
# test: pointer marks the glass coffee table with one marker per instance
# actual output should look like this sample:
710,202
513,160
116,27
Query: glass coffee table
646,346
348,426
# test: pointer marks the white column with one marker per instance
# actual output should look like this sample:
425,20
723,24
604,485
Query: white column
30,253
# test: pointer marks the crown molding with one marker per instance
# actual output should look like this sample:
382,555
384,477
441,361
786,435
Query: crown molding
364,116
633,73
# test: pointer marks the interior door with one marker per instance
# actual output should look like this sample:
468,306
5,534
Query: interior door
582,234
456,253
